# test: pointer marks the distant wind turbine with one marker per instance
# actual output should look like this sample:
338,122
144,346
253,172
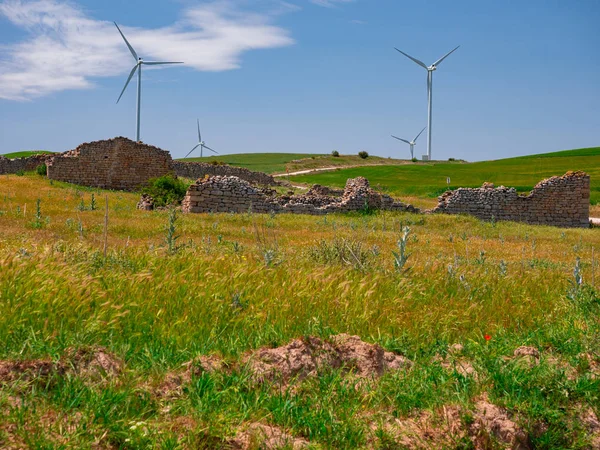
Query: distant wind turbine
430,71
411,143
138,66
200,144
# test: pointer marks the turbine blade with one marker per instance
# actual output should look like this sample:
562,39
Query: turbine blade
135,56
128,80
415,139
400,139
206,146
156,63
199,135
444,57
190,152
421,63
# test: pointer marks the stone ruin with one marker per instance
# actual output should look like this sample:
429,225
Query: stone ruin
558,201
118,163
195,170
122,164
231,194
27,164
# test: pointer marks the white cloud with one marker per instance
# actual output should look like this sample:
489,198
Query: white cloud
330,3
66,49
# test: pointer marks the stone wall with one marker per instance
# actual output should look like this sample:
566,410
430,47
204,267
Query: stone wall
25,164
196,170
118,163
231,194
558,201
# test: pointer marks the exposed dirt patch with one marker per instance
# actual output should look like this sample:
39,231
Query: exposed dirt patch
29,370
592,363
304,357
266,437
172,385
427,430
526,356
494,425
94,363
592,425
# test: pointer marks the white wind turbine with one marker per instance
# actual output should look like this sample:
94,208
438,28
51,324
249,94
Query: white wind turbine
411,143
200,144
138,66
430,71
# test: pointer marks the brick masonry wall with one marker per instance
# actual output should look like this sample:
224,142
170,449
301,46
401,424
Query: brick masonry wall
557,201
231,194
118,163
25,164
196,170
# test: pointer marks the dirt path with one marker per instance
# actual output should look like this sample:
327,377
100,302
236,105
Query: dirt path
325,169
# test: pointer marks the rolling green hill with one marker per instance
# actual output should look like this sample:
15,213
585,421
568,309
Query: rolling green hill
261,162
429,180
26,154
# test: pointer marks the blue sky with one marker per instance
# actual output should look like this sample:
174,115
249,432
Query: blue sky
304,75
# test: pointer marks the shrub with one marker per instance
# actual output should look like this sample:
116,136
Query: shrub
41,170
166,190
451,159
335,153
414,159
363,154
20,173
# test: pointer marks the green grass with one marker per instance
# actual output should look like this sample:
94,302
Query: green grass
260,162
429,180
26,154
280,162
214,294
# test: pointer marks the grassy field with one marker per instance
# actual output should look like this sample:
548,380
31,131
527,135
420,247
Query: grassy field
26,154
226,285
424,182
292,162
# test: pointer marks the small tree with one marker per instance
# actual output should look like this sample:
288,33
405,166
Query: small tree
363,154
335,154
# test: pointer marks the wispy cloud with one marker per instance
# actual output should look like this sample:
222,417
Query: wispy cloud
67,49
330,3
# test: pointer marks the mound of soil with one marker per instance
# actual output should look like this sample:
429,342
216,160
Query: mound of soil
304,357
29,370
266,437
493,424
94,363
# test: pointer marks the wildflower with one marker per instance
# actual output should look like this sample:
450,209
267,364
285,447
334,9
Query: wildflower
487,337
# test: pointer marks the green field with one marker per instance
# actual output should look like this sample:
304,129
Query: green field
429,180
95,348
260,162
26,154
292,162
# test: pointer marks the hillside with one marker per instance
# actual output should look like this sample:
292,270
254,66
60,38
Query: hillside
26,154
280,162
427,181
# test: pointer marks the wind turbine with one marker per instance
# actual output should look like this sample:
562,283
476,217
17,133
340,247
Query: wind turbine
430,71
200,144
139,62
411,143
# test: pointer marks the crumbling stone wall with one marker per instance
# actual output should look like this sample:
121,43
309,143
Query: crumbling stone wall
231,194
118,163
196,170
558,201
25,164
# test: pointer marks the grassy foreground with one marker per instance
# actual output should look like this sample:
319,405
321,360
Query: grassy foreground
231,284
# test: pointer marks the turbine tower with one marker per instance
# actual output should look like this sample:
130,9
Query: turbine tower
200,144
411,143
139,62
430,71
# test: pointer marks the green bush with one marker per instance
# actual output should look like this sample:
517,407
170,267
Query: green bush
363,154
166,190
20,173
335,153
414,159
41,170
